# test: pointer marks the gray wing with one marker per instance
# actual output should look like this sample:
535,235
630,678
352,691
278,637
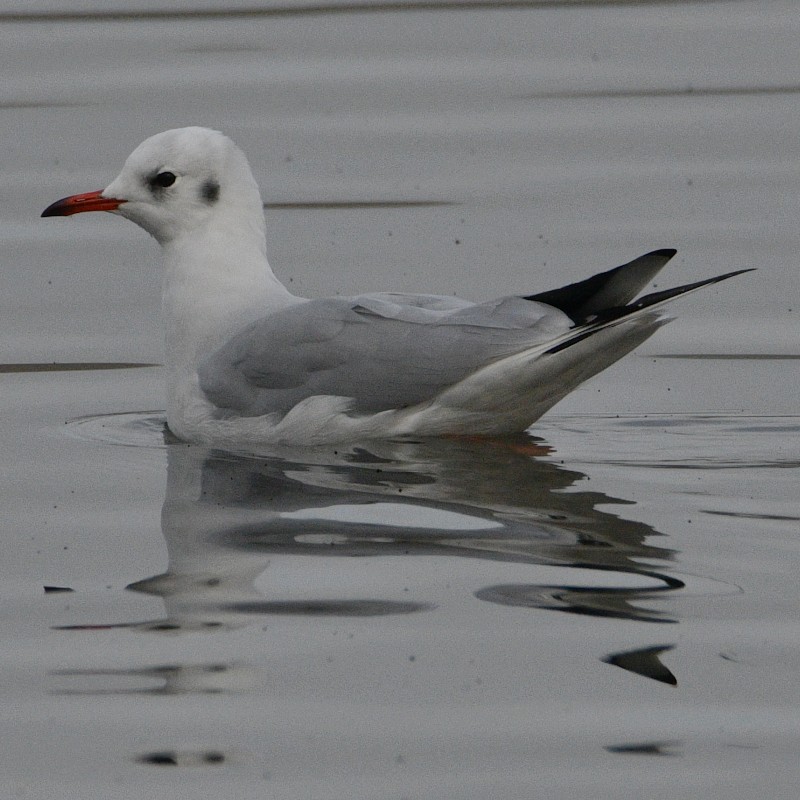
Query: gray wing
383,351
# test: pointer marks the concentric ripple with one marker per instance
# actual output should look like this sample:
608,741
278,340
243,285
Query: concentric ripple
128,429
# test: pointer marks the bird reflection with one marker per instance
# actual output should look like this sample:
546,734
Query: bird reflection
227,515
253,537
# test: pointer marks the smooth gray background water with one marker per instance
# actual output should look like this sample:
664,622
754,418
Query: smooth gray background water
381,622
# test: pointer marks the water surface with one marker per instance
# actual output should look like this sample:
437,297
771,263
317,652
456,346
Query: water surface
604,607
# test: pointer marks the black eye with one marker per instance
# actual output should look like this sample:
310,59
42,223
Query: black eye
164,179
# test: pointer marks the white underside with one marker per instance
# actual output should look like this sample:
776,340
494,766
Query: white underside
322,419
502,398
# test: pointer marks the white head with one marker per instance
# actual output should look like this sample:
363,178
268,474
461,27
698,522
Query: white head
177,182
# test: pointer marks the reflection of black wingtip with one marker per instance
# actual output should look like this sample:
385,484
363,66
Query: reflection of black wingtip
593,601
57,589
645,661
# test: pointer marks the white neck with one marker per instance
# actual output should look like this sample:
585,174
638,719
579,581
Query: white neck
215,283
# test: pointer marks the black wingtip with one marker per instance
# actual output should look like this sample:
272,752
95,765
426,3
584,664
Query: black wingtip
610,316
611,289
732,274
660,297
664,252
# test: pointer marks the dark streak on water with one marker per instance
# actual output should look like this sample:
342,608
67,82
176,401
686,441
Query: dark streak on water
337,608
71,366
744,515
173,758
169,679
322,8
358,204
687,91
19,104
217,49
732,356
644,749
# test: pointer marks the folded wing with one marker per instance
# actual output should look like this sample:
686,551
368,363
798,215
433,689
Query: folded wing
382,351
392,351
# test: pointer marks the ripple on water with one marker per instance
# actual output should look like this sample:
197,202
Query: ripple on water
128,429
676,441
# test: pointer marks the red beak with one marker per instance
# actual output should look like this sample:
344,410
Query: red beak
76,203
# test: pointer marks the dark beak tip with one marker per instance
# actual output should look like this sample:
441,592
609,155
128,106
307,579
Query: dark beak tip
61,208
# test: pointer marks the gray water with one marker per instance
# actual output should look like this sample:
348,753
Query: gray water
603,608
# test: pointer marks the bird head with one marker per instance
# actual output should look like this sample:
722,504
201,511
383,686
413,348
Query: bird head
174,183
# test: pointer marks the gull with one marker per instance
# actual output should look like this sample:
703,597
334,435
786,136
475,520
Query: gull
249,363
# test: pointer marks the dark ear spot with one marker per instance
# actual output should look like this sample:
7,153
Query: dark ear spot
209,191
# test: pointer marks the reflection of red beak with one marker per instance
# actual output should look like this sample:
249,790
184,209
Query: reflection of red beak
76,203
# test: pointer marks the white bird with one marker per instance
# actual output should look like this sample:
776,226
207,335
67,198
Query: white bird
249,363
